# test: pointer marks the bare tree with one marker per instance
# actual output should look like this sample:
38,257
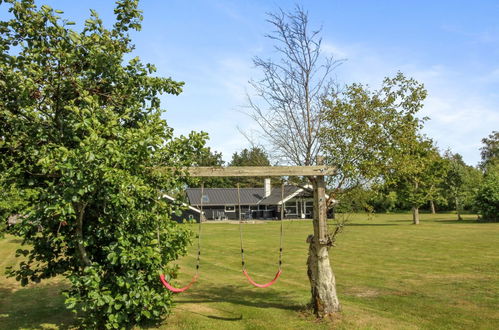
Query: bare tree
287,106
289,97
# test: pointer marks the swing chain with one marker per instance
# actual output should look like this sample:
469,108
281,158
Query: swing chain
240,226
243,264
201,215
281,226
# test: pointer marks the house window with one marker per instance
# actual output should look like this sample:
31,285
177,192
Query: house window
291,209
230,208
309,207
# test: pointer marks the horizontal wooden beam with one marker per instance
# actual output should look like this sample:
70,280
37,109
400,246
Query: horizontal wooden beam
259,171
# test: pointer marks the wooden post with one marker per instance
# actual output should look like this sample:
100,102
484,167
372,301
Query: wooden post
320,207
320,274
321,213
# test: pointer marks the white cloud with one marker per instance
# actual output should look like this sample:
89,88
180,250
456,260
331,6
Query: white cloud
331,49
212,102
461,113
232,74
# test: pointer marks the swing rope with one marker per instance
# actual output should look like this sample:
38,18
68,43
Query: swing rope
245,272
198,258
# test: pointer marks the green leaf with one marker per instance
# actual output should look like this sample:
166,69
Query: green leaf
82,142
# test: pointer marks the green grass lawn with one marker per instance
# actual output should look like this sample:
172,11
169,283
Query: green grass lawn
442,274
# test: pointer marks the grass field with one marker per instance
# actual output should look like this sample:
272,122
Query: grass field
443,274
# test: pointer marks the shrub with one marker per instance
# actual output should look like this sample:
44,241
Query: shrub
487,198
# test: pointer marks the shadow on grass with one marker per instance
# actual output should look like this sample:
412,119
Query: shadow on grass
246,297
445,221
371,224
15,241
34,307
473,221
405,220
239,318
219,318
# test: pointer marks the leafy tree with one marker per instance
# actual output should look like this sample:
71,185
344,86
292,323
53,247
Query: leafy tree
490,150
437,192
81,128
364,133
254,156
487,197
461,182
372,137
250,157
384,199
13,201
472,181
422,174
357,199
207,157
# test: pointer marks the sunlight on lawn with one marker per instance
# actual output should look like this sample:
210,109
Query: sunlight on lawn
390,274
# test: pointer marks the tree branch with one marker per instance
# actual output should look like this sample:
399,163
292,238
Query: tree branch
79,233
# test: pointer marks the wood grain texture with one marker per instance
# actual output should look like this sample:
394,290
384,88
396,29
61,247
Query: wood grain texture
258,171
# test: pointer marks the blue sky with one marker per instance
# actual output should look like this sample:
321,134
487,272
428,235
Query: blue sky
450,46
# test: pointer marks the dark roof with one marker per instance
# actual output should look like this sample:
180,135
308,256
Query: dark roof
249,196
275,194
225,196
170,198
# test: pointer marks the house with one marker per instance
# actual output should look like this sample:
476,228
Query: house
256,203
188,212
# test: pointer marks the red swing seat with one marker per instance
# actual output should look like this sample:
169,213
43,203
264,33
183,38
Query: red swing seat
177,290
196,275
245,272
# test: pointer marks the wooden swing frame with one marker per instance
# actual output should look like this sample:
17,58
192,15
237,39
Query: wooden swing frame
320,206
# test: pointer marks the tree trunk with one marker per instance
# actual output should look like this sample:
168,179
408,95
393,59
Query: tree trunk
79,234
458,209
415,209
322,281
320,274
432,205
415,215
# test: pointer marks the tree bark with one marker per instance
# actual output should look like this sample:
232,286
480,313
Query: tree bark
322,281
432,205
320,274
458,209
415,215
79,235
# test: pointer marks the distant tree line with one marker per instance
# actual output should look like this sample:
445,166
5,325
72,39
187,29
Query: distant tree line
253,156
449,185
445,182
